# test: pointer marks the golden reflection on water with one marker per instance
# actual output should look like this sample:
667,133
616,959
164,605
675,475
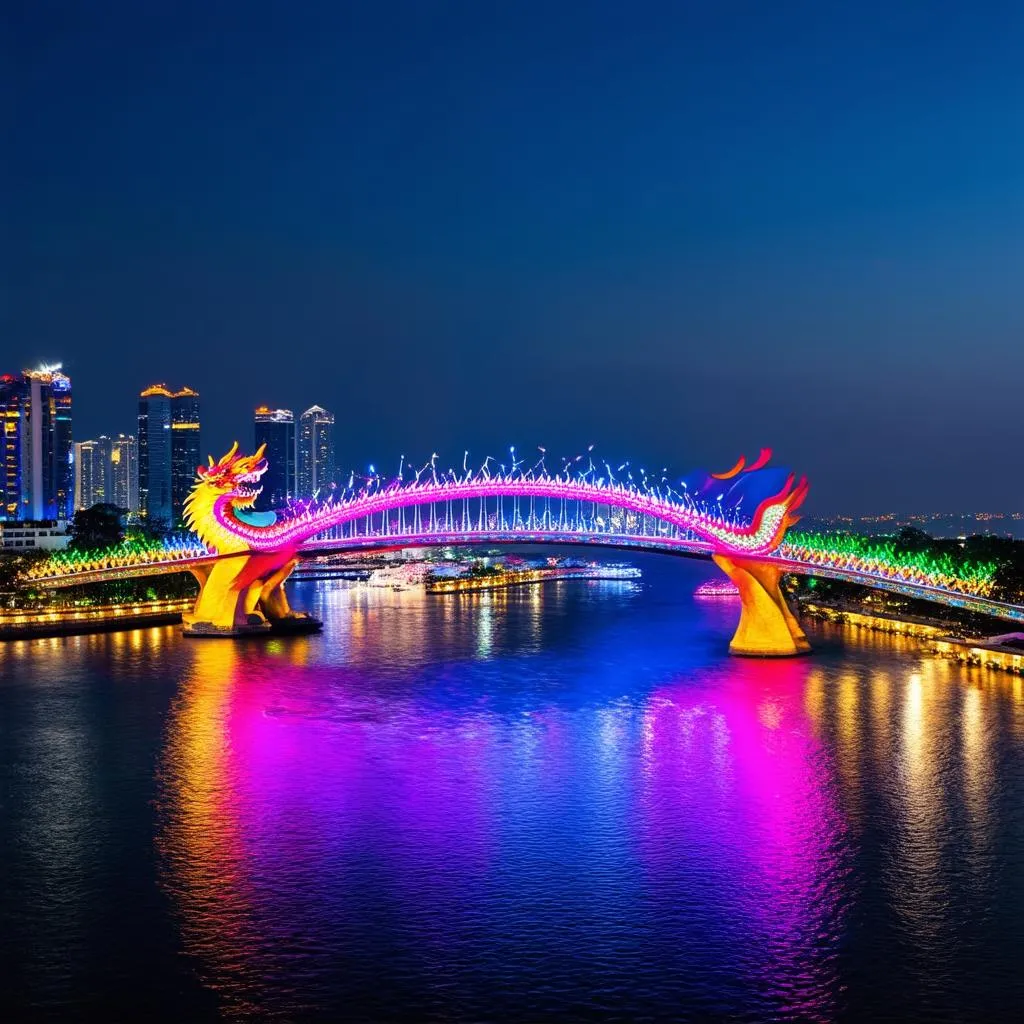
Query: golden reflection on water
927,762
915,740
880,717
412,622
202,842
804,759
977,767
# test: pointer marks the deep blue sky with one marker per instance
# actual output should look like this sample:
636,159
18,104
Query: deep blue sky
678,230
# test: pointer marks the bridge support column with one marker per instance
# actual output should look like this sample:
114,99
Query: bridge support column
240,596
273,601
767,629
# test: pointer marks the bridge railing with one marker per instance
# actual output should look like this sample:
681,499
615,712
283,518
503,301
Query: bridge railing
881,557
472,516
127,555
499,519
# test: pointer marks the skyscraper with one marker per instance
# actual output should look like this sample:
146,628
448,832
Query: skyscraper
155,456
107,470
185,454
62,453
168,452
124,472
276,429
36,450
315,453
92,461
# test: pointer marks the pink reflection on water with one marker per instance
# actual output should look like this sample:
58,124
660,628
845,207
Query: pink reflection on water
299,801
272,772
733,765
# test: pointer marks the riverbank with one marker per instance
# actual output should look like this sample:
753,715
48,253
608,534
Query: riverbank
516,578
29,623
934,636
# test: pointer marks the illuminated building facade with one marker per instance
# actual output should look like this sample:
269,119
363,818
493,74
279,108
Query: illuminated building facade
124,472
275,428
185,454
107,470
168,448
315,454
92,472
37,453
155,455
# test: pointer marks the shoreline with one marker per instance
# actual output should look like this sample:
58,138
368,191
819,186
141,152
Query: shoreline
465,585
931,635
37,624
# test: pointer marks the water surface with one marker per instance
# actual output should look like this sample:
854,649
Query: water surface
550,803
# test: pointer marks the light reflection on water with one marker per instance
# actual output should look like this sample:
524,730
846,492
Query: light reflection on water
549,802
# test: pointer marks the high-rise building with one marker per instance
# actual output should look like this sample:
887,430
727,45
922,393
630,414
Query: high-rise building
36,450
124,472
315,451
276,429
63,451
107,470
185,454
155,456
168,452
92,459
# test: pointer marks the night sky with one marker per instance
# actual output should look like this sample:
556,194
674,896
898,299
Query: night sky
678,231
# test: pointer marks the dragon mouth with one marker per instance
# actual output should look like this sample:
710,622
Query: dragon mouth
244,494
248,494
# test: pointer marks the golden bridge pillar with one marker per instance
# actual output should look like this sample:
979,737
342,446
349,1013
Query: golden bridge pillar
767,629
243,595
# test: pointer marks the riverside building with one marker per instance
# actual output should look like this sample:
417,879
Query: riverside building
168,447
275,428
315,462
36,450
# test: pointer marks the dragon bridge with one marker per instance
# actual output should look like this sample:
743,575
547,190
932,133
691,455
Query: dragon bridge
738,518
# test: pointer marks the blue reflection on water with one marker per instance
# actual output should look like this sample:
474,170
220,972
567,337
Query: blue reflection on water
551,802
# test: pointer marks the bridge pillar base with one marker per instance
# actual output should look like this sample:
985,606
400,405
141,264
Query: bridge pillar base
293,625
193,627
244,597
767,629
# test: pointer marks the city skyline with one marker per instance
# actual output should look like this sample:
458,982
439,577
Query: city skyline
284,480
274,429
342,469
49,470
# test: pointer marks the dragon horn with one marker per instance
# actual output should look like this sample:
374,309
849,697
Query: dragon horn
259,451
212,463
762,460
729,473
799,494
230,455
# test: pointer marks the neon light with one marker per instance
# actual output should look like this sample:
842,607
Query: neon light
125,555
717,588
762,460
515,506
730,473
230,485
878,557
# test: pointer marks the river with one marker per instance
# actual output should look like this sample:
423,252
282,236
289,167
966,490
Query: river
559,802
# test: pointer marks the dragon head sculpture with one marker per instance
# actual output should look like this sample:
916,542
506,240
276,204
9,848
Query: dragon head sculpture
223,490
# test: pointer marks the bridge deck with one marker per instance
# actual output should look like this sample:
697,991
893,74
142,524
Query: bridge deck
665,545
